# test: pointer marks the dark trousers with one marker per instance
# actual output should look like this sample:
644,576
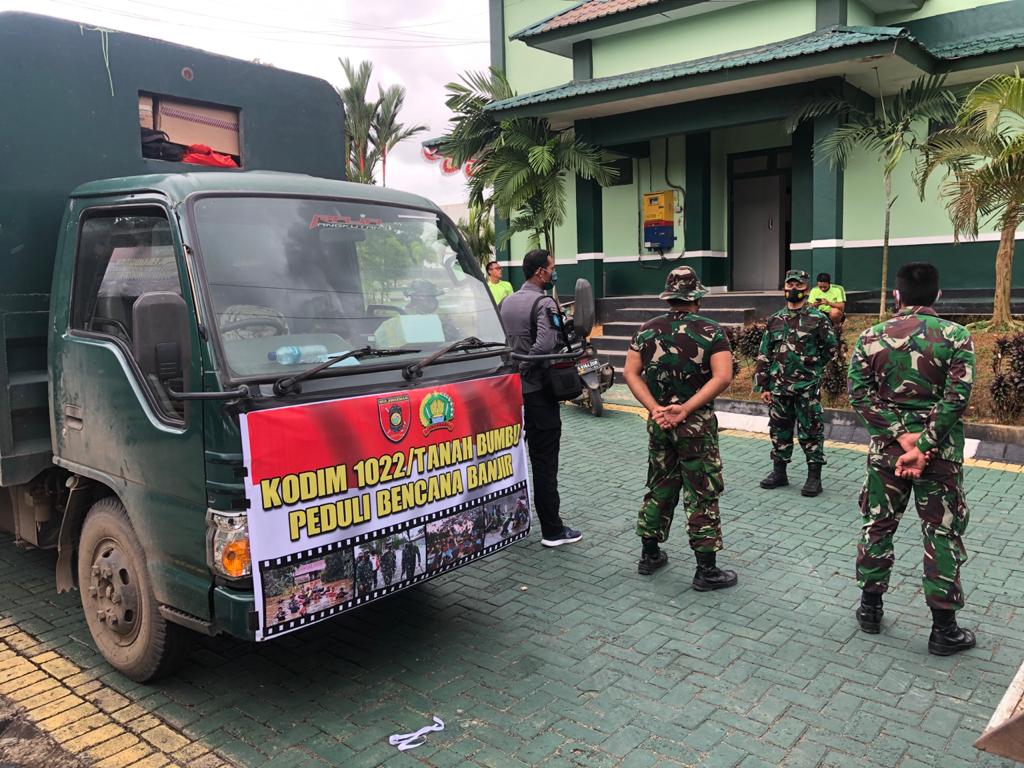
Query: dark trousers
543,438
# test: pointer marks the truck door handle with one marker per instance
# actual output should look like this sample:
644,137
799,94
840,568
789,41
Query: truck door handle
73,417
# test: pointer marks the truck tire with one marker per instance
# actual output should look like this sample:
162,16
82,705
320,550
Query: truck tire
117,597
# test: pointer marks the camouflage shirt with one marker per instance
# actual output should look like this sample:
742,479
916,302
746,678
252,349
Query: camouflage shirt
675,350
914,373
796,345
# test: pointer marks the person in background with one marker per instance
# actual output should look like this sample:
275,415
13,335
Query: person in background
530,317
500,289
798,341
829,298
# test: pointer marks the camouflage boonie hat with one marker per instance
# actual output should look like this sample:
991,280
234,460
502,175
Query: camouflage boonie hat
682,285
799,275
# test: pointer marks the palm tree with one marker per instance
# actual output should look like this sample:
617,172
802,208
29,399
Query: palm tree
524,162
479,234
385,130
889,132
984,155
360,156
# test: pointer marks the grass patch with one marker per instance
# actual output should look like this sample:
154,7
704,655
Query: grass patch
980,409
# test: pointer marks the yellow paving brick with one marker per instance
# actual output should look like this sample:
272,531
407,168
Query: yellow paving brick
44,697
48,656
135,755
85,676
144,723
29,689
60,668
107,700
77,728
114,746
84,689
126,714
93,737
55,707
156,760
16,670
8,653
192,752
164,738
138,755
67,717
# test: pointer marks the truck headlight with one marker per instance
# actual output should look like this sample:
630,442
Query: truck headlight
227,544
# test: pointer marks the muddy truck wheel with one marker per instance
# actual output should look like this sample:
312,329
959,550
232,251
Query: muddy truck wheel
117,597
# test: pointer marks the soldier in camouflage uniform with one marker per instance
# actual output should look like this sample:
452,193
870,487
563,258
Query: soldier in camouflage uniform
676,365
797,343
910,380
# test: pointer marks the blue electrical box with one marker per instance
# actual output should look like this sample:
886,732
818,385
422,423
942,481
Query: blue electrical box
659,237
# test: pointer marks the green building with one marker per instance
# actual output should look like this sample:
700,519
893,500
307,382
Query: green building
691,97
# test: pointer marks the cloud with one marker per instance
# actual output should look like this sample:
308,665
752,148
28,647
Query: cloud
421,46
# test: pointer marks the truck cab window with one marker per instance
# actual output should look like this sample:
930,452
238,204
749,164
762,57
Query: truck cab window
123,255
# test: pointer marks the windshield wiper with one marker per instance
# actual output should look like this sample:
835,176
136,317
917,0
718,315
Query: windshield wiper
289,384
414,370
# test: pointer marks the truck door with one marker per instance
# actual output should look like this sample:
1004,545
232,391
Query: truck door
114,423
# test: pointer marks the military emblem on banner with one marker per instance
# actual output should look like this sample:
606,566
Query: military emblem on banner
395,413
437,412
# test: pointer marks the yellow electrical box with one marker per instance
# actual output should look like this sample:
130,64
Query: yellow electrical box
659,207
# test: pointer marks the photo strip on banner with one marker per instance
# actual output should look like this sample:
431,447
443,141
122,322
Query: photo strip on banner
353,499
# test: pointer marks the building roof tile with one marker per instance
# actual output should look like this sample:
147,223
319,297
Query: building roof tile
588,10
815,42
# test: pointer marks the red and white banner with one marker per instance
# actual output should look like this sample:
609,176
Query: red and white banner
352,499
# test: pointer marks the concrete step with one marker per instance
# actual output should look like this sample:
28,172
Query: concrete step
606,344
636,317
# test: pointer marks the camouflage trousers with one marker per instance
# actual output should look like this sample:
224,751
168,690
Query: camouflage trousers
939,497
802,410
683,462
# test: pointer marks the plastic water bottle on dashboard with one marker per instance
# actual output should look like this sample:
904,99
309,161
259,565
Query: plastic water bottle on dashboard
291,354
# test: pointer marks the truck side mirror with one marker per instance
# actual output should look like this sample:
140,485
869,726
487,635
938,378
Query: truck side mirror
160,336
583,312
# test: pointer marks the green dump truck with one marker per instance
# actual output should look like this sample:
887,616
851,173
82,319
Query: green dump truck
236,399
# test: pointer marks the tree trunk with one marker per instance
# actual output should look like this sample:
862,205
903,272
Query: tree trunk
384,168
885,245
1004,267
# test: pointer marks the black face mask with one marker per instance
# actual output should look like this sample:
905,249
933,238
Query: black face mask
795,295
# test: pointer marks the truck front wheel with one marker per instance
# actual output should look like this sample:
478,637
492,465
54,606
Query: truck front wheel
117,597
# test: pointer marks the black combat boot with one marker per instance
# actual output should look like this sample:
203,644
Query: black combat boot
777,478
947,638
813,485
709,576
869,613
652,558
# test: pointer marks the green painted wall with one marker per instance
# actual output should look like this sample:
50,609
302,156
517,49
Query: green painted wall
864,201
729,29
859,16
934,8
967,265
529,69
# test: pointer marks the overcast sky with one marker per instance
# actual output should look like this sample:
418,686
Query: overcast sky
421,44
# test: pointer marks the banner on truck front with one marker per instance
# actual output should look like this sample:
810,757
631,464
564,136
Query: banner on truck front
353,499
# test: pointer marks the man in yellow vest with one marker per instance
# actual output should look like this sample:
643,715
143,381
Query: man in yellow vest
828,298
500,289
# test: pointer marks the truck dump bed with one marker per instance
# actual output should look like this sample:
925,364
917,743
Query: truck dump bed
72,115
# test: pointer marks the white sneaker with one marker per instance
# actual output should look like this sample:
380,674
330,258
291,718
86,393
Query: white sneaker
568,536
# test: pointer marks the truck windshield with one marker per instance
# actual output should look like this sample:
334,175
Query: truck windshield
293,281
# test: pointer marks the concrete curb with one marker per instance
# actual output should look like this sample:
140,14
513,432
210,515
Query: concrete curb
991,442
